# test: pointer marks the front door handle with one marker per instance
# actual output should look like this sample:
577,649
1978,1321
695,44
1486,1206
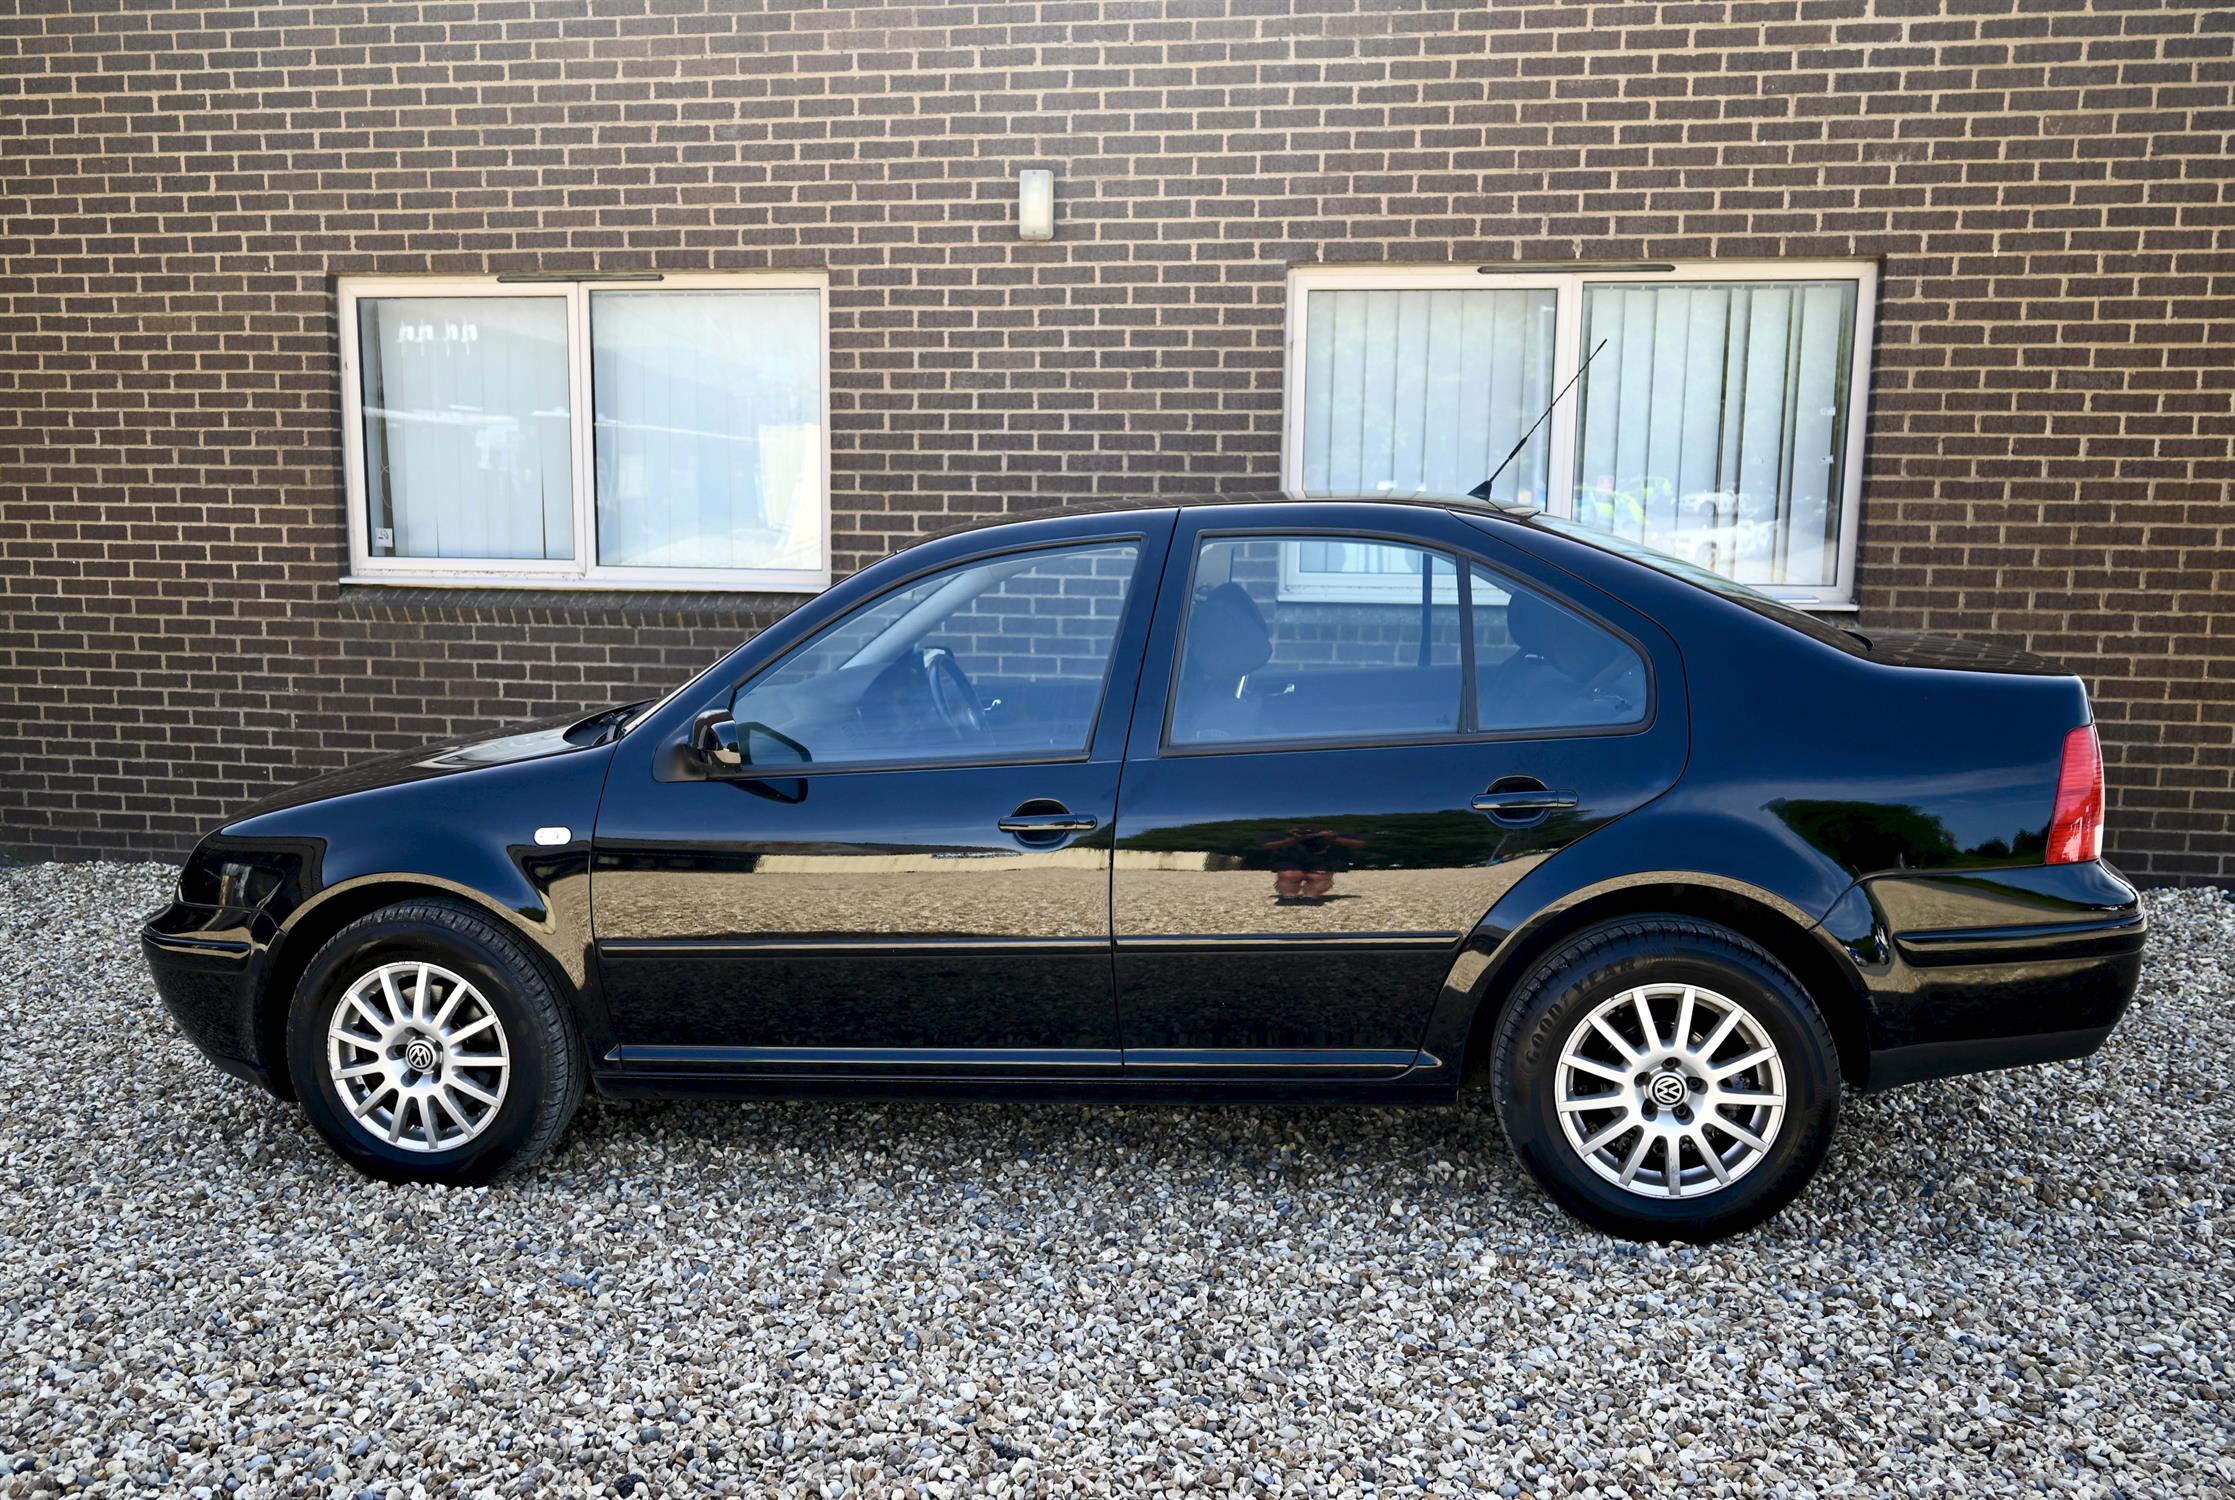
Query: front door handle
1534,800
1039,824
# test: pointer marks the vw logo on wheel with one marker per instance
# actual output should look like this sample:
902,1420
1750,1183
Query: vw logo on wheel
420,1056
1668,1090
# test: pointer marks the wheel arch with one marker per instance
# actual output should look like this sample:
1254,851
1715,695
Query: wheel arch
1799,944
310,926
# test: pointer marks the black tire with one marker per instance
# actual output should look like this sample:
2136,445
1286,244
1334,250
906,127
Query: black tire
547,1073
1561,993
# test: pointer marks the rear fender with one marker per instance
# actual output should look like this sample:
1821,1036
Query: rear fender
1775,891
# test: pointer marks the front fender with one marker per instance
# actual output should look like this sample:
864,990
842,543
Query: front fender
470,835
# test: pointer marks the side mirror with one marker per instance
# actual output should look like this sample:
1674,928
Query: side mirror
715,739
725,746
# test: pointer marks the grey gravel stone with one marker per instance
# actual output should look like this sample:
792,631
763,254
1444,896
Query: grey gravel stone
2012,1283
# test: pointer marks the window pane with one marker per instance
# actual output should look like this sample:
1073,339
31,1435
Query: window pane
1260,662
1714,424
709,413
1418,391
1540,665
468,438
996,659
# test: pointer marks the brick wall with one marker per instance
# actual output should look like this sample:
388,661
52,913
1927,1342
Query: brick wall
2051,447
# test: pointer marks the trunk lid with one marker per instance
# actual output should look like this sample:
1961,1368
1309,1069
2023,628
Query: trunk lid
1948,653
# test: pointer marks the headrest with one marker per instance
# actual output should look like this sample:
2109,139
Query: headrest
1227,639
1577,647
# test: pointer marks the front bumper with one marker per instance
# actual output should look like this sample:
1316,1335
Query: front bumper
1973,970
204,960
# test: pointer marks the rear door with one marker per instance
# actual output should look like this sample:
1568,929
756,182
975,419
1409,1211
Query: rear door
1353,736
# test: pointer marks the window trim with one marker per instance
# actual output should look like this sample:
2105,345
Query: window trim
1470,708
1567,355
582,571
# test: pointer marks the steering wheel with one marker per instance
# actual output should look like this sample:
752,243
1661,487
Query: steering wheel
952,694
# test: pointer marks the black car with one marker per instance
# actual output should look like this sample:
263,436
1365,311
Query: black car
1234,801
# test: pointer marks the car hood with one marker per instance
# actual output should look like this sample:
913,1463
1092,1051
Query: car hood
561,735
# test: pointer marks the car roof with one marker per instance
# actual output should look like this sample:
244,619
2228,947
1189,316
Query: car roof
1049,508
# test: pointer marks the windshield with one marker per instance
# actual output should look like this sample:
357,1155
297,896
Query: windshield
1692,573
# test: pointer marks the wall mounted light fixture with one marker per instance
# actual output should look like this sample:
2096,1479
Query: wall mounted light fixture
1036,204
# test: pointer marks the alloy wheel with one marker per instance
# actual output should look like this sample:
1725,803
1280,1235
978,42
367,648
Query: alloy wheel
418,1056
1670,1091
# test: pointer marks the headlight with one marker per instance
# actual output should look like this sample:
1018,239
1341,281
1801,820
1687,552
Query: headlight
233,877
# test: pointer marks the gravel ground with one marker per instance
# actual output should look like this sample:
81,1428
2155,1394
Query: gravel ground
2003,1283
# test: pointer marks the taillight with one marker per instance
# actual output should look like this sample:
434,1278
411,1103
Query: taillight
2076,829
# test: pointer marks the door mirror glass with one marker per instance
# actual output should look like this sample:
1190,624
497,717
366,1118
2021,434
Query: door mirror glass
770,749
1000,659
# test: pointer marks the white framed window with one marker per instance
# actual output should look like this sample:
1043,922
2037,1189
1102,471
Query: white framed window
1722,419
668,432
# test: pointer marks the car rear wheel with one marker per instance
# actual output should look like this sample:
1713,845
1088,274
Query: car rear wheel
1666,1078
428,1045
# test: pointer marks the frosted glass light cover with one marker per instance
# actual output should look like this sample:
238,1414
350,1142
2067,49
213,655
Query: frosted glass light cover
1036,204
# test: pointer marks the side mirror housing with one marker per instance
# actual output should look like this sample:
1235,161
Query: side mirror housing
715,739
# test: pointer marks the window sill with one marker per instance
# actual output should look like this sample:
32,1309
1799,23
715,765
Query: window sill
398,598
681,583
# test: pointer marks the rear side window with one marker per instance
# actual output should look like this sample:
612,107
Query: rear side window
1318,639
1275,651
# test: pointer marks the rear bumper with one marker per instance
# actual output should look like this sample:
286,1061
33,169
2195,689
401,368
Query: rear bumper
1985,969
203,960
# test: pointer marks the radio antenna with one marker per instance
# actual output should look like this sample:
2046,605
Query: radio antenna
1482,490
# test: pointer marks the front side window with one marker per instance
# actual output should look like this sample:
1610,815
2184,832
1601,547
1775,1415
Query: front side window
667,433
1435,652
1720,420
1002,659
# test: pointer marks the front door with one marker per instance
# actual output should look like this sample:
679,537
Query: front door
919,883
1366,740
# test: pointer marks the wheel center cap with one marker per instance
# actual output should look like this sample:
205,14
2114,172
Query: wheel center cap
420,1056
1667,1090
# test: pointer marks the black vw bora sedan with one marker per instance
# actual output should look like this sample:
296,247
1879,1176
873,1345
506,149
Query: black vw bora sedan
1232,801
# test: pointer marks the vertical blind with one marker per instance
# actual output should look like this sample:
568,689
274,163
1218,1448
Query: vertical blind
1421,392
1713,425
708,409
467,429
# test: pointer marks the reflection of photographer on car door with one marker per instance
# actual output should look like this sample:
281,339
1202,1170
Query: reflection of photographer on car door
1305,862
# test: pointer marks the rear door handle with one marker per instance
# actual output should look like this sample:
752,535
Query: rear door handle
1040,823
1539,799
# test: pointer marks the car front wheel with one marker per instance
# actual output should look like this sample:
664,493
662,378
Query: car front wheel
428,1045
1666,1078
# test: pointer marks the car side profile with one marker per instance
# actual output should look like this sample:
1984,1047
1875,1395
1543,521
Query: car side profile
1252,799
